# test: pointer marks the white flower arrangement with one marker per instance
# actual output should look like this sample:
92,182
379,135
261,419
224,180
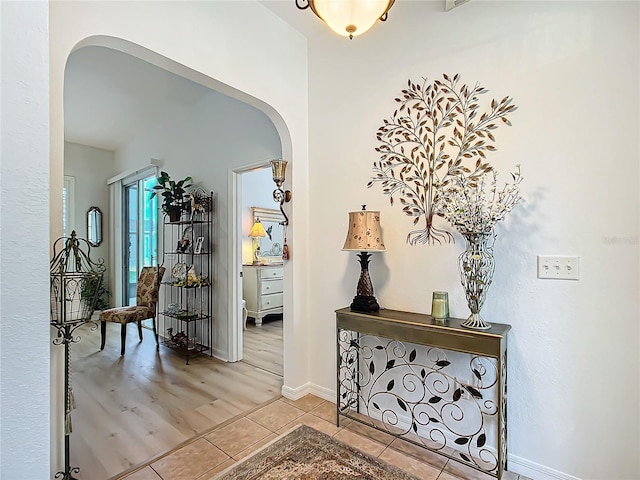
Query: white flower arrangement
470,208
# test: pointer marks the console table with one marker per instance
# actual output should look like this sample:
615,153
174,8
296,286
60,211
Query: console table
441,387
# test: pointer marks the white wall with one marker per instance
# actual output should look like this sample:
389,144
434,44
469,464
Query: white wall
572,69
578,150
25,344
264,65
216,134
91,168
257,191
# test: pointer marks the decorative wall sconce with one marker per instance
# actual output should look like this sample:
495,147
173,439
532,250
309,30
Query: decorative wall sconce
279,169
364,236
75,282
256,232
348,18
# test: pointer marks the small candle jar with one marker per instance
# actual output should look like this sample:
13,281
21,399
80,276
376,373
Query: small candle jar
440,306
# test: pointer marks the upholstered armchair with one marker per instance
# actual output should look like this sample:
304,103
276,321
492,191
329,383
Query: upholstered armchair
145,307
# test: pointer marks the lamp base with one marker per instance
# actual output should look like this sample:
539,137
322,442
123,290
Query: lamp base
364,303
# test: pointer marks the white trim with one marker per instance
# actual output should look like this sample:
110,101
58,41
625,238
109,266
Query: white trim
234,227
309,389
235,325
153,163
70,208
220,355
530,469
266,214
140,174
115,242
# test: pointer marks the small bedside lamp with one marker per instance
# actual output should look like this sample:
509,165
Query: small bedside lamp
364,236
256,232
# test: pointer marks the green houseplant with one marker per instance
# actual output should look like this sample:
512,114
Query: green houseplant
88,291
172,194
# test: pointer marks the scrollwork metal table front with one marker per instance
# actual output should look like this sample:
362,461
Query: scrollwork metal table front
394,374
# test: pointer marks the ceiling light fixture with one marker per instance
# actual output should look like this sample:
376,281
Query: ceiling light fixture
348,18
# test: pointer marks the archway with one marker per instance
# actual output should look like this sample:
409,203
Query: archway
163,62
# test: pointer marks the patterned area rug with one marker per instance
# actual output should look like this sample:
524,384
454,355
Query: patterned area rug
305,453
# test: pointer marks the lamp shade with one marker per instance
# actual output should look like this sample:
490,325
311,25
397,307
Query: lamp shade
257,230
365,233
350,18
279,170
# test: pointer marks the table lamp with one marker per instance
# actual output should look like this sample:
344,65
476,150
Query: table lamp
364,236
256,232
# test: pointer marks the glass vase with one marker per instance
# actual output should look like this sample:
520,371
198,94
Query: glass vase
476,266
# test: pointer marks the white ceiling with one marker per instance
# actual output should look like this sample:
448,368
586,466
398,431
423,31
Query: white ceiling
110,96
305,21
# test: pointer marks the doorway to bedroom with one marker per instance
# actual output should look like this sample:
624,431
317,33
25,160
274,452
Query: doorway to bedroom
262,241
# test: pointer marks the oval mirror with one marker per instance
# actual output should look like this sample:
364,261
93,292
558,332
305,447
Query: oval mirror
94,226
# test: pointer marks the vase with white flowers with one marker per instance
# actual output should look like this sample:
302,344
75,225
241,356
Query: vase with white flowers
473,207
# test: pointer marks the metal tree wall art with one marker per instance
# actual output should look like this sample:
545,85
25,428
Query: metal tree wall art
437,134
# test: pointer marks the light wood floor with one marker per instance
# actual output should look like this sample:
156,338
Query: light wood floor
132,408
263,345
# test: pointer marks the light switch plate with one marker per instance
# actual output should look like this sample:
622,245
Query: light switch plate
559,267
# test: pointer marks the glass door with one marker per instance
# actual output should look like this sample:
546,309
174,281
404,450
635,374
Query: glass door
140,233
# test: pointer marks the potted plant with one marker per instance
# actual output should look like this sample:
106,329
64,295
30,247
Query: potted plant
172,195
88,291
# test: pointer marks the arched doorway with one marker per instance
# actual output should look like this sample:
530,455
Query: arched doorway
231,327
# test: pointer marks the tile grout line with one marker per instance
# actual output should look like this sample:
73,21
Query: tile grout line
188,442
206,476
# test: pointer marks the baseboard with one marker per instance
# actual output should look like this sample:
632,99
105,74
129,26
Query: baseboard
306,389
516,464
533,470
220,354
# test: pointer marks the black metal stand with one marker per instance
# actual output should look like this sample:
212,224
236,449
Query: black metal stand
281,197
75,282
364,301
65,337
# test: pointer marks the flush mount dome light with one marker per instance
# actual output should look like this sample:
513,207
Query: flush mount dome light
348,18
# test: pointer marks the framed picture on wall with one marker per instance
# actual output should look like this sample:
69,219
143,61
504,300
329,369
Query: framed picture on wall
198,245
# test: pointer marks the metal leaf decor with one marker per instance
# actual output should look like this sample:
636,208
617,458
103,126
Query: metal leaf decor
437,134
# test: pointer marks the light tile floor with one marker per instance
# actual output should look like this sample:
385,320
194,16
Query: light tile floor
206,456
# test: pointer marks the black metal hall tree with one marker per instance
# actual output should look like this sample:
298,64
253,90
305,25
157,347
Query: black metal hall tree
75,282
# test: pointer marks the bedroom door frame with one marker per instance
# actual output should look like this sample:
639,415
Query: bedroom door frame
236,322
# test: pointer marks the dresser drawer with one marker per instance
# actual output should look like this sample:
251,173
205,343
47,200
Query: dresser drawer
271,273
273,300
270,286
